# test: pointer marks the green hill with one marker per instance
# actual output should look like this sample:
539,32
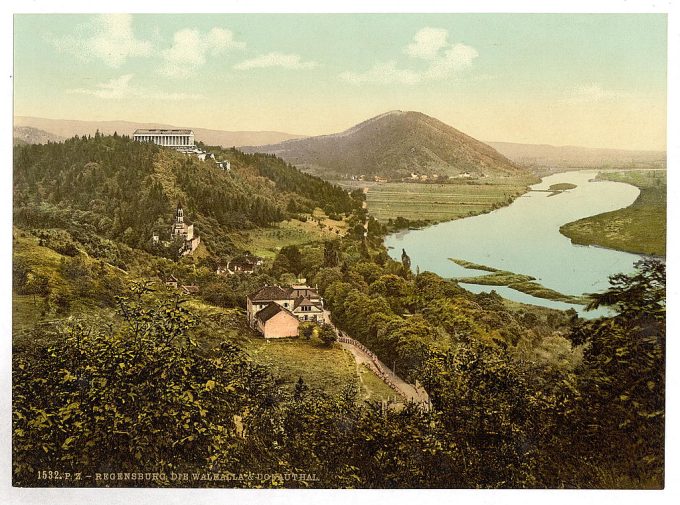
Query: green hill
393,145
112,188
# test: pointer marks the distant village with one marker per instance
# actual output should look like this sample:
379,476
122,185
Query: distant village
419,178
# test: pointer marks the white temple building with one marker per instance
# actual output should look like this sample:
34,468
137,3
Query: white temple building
179,139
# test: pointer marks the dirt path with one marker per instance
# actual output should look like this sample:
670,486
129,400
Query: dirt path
408,391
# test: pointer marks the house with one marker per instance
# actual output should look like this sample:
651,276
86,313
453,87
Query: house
242,264
307,310
170,281
301,301
190,289
260,299
274,321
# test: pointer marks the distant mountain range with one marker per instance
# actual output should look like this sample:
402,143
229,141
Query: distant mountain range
393,145
559,157
30,135
65,128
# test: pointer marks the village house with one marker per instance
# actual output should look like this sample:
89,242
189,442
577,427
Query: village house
300,301
190,289
170,281
274,321
245,264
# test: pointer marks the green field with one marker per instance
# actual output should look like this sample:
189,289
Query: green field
266,242
442,202
639,228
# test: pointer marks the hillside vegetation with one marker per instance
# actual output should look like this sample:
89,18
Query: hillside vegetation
111,188
30,135
393,145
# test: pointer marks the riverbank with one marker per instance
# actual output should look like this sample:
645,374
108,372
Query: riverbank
524,238
639,228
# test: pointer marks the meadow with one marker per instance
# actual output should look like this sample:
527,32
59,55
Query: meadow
436,202
266,242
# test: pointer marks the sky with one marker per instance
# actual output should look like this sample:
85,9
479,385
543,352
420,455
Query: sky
596,80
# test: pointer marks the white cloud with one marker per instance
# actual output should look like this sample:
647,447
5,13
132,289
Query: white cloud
109,38
429,44
384,73
114,89
275,59
119,88
191,48
593,92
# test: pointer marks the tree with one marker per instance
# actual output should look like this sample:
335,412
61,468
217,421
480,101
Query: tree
300,389
307,329
620,417
138,396
289,259
405,260
327,334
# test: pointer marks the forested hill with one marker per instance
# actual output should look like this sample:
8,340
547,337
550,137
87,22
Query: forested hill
119,189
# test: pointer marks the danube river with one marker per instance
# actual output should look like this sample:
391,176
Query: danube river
524,238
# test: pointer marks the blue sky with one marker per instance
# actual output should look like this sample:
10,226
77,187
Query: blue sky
593,79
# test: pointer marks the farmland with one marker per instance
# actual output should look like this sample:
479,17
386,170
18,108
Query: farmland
442,202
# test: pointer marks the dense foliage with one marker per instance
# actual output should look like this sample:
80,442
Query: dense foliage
113,187
142,394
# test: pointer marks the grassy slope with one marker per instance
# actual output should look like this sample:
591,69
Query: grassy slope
639,228
266,242
442,202
328,369
27,310
320,367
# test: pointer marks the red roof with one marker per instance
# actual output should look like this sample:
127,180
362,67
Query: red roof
270,293
270,311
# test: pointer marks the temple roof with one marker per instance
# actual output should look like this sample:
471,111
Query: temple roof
163,131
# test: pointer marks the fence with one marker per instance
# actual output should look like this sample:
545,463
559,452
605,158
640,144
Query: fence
378,367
